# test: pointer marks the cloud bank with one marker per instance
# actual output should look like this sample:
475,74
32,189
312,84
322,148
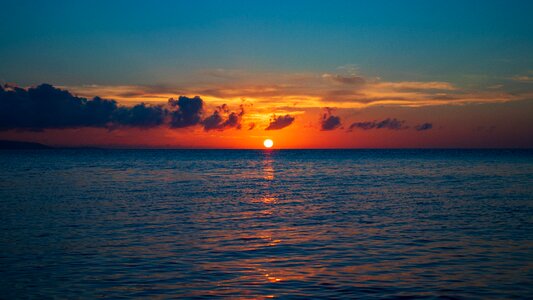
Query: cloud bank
46,107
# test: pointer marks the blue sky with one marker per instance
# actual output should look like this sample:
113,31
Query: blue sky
151,42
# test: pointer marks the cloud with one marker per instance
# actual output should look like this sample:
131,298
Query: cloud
423,126
189,111
389,123
140,115
218,122
128,93
329,121
525,78
416,85
47,107
344,88
212,122
344,79
251,126
280,122
392,124
349,90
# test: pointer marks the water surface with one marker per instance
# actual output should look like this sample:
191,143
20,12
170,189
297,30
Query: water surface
260,224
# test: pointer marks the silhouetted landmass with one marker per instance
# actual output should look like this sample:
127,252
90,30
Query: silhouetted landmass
21,145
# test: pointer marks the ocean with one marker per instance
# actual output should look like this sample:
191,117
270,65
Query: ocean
297,224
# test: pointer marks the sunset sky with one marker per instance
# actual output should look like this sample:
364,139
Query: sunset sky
229,74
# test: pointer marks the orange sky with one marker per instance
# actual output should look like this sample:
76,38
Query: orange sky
460,116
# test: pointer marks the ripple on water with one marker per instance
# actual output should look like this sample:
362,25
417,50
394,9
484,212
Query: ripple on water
254,224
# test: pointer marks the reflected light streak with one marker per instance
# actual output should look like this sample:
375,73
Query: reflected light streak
268,168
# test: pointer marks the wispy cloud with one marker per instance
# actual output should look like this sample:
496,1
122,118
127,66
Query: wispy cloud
523,78
415,85
423,126
308,90
392,124
344,79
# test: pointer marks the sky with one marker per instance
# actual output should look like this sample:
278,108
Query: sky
228,74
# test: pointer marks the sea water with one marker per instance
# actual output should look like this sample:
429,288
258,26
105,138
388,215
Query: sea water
262,224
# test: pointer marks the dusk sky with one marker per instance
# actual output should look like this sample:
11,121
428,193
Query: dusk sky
307,74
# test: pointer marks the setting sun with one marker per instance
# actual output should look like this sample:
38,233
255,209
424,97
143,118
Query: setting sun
376,108
268,143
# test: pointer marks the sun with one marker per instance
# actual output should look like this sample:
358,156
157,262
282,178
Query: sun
268,143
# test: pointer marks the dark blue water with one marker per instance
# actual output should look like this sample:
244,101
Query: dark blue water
254,224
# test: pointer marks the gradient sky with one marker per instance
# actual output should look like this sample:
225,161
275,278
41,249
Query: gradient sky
340,73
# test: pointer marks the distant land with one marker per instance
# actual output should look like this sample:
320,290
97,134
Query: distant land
17,145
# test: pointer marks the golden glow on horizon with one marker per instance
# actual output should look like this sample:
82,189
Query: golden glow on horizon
268,143
305,98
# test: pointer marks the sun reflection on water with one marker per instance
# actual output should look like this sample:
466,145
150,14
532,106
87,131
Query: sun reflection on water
263,224
268,168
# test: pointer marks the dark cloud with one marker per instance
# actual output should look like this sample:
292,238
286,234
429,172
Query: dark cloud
45,106
216,121
140,115
251,126
212,122
363,125
188,113
329,121
392,124
280,122
423,126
